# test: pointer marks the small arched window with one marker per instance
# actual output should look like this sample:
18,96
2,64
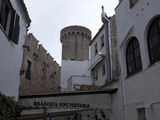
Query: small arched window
133,57
153,39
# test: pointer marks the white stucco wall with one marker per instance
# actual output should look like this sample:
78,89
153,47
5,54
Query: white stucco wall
141,89
11,58
71,67
97,61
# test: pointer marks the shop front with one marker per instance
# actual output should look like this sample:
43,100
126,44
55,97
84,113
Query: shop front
84,105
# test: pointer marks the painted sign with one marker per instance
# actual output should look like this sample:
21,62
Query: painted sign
59,105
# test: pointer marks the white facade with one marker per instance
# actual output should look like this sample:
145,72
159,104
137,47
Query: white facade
71,67
11,54
98,61
140,90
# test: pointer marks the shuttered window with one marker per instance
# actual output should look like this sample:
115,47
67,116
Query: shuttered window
4,14
16,29
9,21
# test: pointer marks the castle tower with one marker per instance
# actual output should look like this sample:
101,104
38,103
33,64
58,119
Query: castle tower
75,43
75,54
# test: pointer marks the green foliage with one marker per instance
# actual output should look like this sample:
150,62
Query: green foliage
9,108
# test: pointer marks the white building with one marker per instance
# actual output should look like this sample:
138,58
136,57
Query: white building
14,21
72,68
98,65
97,61
138,29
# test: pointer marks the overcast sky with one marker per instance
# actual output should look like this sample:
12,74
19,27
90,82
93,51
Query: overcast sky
50,16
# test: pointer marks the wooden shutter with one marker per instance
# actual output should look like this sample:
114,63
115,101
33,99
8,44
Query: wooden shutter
12,23
1,6
2,10
16,30
1,1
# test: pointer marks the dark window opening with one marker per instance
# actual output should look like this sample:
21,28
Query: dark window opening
103,70
141,114
28,70
153,39
132,3
95,49
133,57
96,75
102,41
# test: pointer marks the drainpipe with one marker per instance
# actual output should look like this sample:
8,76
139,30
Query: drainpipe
106,21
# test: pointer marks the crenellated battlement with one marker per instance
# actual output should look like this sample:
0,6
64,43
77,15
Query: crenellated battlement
72,30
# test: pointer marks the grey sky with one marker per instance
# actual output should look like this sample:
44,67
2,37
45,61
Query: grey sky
50,16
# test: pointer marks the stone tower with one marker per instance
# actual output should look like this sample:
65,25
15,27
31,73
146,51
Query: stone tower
75,54
75,43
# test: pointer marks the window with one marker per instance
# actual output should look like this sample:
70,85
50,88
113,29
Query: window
28,70
141,114
133,57
133,2
9,20
103,70
95,74
95,49
102,41
153,40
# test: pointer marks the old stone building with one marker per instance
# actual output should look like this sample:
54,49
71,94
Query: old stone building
39,72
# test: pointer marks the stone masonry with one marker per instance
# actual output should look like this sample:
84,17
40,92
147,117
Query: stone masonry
43,71
114,50
75,43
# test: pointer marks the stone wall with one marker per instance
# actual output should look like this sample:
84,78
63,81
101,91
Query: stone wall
114,50
44,71
75,43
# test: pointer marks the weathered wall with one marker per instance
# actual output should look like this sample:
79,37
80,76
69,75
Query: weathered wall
45,72
93,104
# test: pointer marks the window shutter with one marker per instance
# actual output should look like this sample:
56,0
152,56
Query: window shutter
16,30
1,1
2,12
12,23
1,6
